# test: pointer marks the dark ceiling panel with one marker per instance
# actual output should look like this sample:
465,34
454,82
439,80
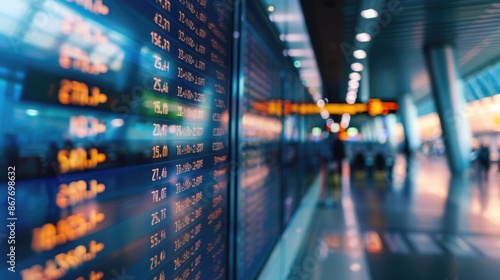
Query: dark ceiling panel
324,19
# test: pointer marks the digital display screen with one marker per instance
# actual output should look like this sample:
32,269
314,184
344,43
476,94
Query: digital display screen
292,166
114,122
259,220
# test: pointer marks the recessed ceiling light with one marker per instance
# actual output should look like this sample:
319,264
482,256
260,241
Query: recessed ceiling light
369,13
350,100
363,37
118,123
359,54
270,8
357,67
346,118
32,112
320,103
296,63
353,84
355,76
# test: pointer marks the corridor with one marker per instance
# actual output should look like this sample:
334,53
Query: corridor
426,225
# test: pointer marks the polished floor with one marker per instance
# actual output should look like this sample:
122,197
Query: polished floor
417,223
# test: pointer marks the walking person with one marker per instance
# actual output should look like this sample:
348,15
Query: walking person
484,161
338,154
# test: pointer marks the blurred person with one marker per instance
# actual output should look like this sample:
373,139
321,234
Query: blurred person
325,151
338,154
433,151
380,162
369,159
325,154
426,149
408,154
407,150
484,161
359,162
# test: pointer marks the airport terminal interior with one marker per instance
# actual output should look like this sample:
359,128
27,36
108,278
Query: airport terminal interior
250,139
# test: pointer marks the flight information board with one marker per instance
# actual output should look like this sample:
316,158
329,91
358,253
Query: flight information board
259,193
115,117
292,165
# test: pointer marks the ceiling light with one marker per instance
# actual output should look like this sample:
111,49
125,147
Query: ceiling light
335,127
359,54
369,13
355,76
32,112
295,37
270,8
353,84
344,124
296,63
357,67
346,118
363,37
285,17
321,103
306,52
351,97
324,114
117,122
350,100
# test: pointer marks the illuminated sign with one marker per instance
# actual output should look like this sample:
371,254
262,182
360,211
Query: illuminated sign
374,107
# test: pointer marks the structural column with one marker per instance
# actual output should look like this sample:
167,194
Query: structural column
448,94
409,117
364,92
378,127
392,138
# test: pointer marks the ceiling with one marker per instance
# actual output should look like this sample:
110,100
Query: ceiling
395,55
324,23
289,20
